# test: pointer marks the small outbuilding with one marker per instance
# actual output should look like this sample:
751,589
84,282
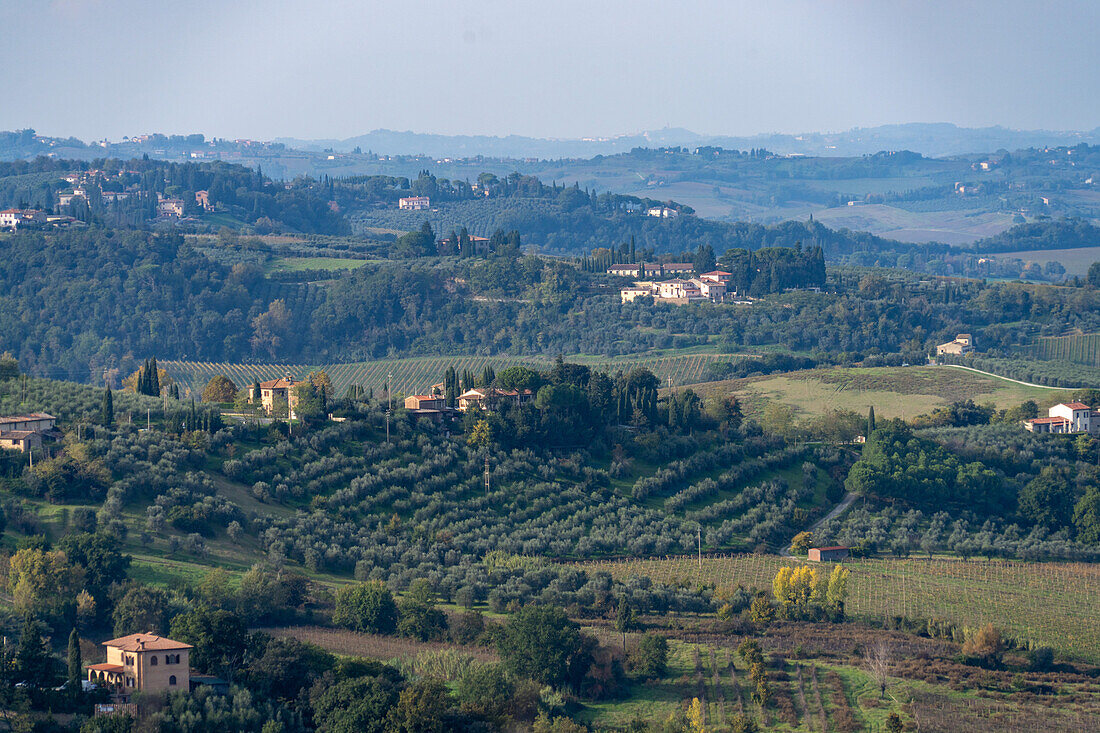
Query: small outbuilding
828,554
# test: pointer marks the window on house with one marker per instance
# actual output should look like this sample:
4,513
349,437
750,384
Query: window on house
172,680
153,661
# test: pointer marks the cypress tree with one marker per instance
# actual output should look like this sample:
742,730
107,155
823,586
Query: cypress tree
870,421
75,662
154,378
107,412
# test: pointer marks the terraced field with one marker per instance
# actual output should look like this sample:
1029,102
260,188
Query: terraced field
416,375
1052,604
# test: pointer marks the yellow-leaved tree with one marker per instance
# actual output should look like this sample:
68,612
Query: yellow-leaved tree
697,717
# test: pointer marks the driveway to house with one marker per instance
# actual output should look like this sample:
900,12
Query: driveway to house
836,512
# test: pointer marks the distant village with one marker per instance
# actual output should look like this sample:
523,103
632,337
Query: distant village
109,189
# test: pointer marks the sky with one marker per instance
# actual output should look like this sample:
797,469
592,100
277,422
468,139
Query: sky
313,69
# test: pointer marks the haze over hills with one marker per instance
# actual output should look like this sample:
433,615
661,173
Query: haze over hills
929,139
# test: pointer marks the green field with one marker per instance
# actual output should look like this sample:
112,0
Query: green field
903,392
1052,604
416,375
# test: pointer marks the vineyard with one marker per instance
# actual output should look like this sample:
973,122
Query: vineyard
416,375
1052,604
1079,349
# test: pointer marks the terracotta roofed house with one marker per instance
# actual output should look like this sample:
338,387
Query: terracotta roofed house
282,388
143,663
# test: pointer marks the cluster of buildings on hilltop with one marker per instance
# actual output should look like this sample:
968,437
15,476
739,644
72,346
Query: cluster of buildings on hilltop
167,207
26,432
714,286
1066,417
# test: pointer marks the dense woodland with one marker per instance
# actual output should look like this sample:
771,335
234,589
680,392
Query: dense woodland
82,304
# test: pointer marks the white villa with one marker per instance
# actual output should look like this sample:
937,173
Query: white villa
1066,417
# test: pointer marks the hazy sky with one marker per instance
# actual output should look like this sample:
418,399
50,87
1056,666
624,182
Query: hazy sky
551,68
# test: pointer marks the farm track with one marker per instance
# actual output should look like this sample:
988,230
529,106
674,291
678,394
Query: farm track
1007,379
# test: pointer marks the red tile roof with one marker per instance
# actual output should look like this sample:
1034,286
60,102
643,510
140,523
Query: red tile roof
1047,420
145,643
280,383
1077,405
106,667
837,547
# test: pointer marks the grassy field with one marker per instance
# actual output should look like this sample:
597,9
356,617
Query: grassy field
1052,604
893,391
416,375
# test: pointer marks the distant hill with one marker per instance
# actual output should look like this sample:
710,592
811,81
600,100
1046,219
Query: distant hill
929,139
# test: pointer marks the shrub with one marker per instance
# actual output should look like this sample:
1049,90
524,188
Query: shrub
366,607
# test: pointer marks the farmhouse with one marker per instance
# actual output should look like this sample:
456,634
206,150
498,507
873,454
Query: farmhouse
485,396
39,422
962,344
662,212
143,663
276,389
20,440
1066,417
25,432
414,203
828,554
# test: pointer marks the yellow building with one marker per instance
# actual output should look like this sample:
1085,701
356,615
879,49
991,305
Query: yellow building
281,389
143,663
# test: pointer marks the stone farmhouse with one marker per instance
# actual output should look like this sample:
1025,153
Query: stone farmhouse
26,432
962,344
276,389
1066,417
